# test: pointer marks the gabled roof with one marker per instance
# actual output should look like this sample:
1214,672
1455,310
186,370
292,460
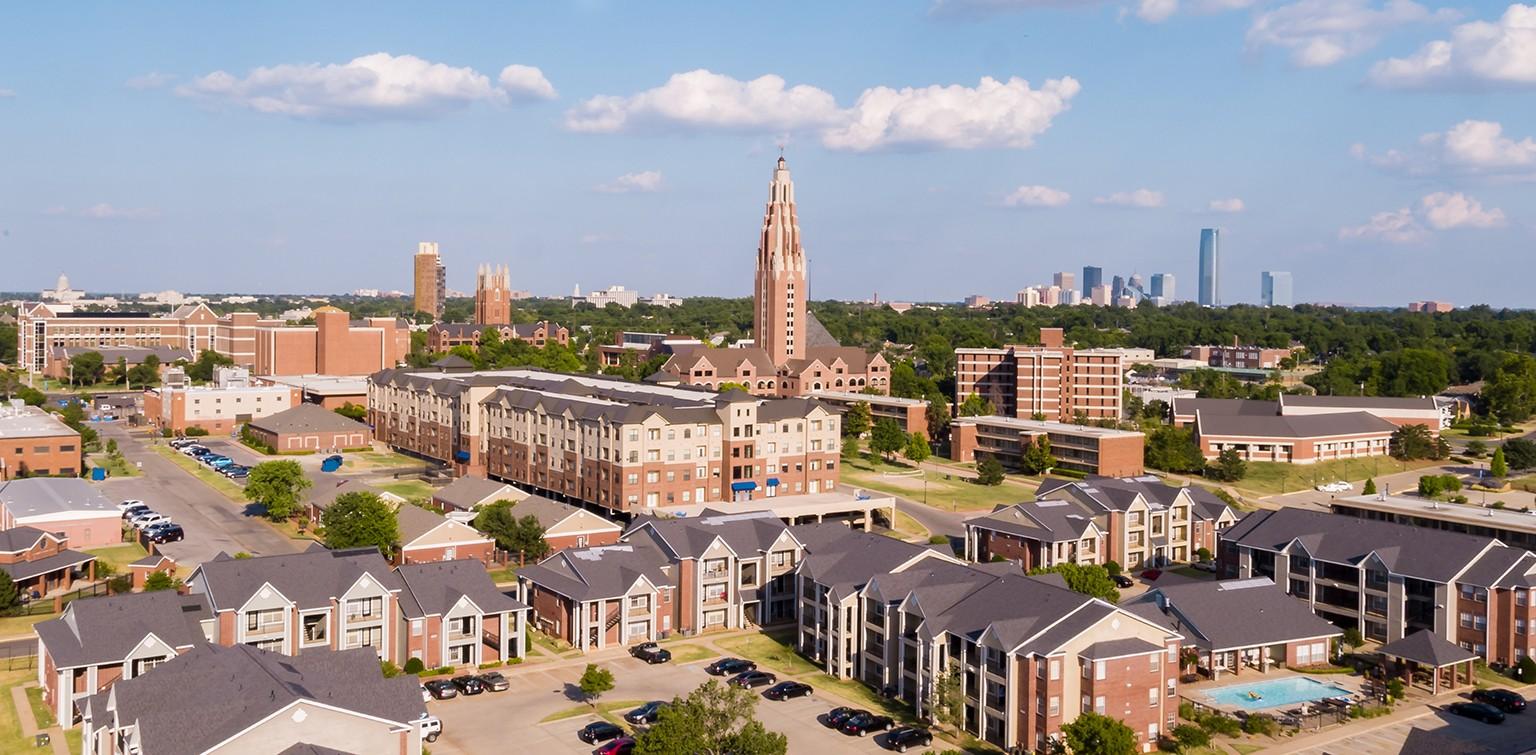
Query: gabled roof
105,630
1378,403
311,579
1294,426
470,491
1045,521
19,539
550,512
604,571
1420,552
747,534
1427,648
435,588
307,418
1232,614
415,521
204,697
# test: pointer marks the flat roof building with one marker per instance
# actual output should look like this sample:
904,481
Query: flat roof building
1302,429
67,505
1082,448
1052,379
35,442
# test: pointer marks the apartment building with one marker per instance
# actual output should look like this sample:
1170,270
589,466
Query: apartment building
445,335
640,346
1391,580
910,414
666,576
1237,356
1513,527
34,442
1051,381
221,408
823,368
1081,448
626,447
335,344
1135,522
1031,655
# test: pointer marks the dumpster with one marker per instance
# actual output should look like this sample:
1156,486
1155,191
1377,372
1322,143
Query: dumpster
331,463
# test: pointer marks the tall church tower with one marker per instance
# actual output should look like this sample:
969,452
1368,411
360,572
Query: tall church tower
778,315
493,295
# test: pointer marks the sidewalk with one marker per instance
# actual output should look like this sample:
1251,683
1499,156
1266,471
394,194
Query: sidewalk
29,729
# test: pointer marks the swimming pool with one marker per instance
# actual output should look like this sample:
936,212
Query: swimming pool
1273,693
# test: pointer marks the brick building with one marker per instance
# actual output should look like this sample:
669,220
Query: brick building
1050,381
1237,356
445,335
221,408
308,427
431,280
57,366
40,563
63,506
36,442
427,537
1082,448
1302,429
493,295
910,414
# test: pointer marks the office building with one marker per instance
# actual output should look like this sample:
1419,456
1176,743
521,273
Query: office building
1092,278
221,408
1162,286
1116,288
493,295
1064,280
1210,267
1100,295
431,280
1275,289
1051,381
1302,429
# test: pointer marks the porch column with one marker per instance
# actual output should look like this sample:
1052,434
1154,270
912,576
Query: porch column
522,633
501,637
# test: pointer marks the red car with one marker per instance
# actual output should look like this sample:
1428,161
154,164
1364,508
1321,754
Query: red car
1151,575
620,746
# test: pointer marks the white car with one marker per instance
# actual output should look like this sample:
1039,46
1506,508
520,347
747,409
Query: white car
144,520
128,504
431,727
1335,487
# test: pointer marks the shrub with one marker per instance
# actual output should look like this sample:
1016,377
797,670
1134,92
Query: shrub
1395,688
441,670
1187,711
1261,724
1190,737
1526,671
492,664
415,666
389,668
939,540
195,432
120,584
1220,723
1113,567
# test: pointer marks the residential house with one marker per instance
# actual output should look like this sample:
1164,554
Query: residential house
40,563
456,616
470,492
427,536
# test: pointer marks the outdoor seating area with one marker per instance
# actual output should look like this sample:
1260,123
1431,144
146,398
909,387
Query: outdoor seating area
1428,661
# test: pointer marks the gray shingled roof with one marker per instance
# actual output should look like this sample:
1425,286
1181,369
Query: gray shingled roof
322,495
18,539
212,693
1428,648
1379,403
1210,407
307,418
415,521
1294,426
604,571
1232,614
105,630
1099,651
468,491
549,512
310,579
1046,521
65,559
433,589
1420,552
746,534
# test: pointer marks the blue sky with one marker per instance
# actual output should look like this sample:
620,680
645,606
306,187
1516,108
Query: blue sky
1381,151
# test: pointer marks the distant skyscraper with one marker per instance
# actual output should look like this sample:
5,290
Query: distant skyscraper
431,280
493,295
1162,286
1116,288
1064,281
1210,267
1275,289
1092,277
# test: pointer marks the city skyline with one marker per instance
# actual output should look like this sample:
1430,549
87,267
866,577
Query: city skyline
630,166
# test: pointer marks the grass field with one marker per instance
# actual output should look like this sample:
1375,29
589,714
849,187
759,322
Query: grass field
767,651
17,626
408,489
213,479
378,459
1270,478
119,556
689,653
943,490
116,466
11,739
909,528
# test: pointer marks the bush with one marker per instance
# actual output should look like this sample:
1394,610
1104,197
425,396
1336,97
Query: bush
1187,711
939,540
120,584
1220,723
1113,567
442,670
1190,737
1526,671
1261,724
492,664
989,471
195,432
415,666
1395,688
389,669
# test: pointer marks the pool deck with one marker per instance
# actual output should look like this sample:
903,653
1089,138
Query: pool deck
1197,692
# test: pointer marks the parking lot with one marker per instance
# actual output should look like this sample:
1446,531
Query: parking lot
489,721
1434,730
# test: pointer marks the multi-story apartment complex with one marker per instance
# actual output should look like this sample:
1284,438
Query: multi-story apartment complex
220,408
1051,381
34,442
825,368
910,414
627,447
1135,522
48,334
446,335
431,280
1510,526
1391,580
1080,448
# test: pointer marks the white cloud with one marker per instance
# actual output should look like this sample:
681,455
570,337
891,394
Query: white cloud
1139,198
1226,205
7,93
520,81
704,99
991,114
1442,210
1323,32
377,86
1499,52
1151,11
596,238
104,211
1467,148
1396,226
152,80
644,181
1037,196
1156,11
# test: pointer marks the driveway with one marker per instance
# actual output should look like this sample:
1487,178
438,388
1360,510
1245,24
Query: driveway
1428,732
487,722
212,522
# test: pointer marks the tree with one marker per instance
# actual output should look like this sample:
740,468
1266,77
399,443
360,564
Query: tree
1476,448
857,420
1510,391
360,519
277,485
1497,466
1113,567
1088,579
594,682
1094,734
1370,486
887,437
976,406
1229,467
1190,737
352,411
1411,442
160,580
1173,449
918,449
1519,453
713,719
989,471
9,593
734,386
512,534
851,448
938,417
948,698
1525,672
145,373
86,368
938,355
1352,639
1203,553
207,361
1038,458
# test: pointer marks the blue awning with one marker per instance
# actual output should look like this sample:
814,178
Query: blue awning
739,486
773,482
461,456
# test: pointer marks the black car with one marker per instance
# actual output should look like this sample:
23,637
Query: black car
865,723
469,685
837,716
729,666
643,649
1122,581
787,690
442,689
651,655
1477,712
908,736
750,679
646,714
599,731
169,533
1503,699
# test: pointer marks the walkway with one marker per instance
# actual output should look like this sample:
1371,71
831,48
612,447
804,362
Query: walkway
29,729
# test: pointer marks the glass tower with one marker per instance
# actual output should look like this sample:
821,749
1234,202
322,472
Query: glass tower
1275,289
1210,267
1092,277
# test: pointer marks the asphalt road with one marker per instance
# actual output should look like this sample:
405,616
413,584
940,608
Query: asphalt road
1434,730
937,521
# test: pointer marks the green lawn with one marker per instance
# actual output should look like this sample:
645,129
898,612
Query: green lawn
18,626
505,576
944,490
11,739
690,653
375,459
1269,478
767,651
40,711
1246,749
909,528
116,466
612,711
212,479
408,489
119,556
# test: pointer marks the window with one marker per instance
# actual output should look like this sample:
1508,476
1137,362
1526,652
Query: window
1152,696
1098,705
417,626
315,628
714,593
1156,660
371,637
1055,670
1099,668
365,609
1055,709
1173,688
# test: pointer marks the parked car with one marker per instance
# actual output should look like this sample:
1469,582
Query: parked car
1477,712
180,443
469,685
636,651
442,689
193,449
1337,486
166,532
130,503
239,473
426,694
730,666
655,656
864,723
1505,700
908,736
143,521
1209,566
751,679
133,511
494,681
787,690
1151,575
646,714
837,716
599,731
218,461
620,746
1122,581
431,727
